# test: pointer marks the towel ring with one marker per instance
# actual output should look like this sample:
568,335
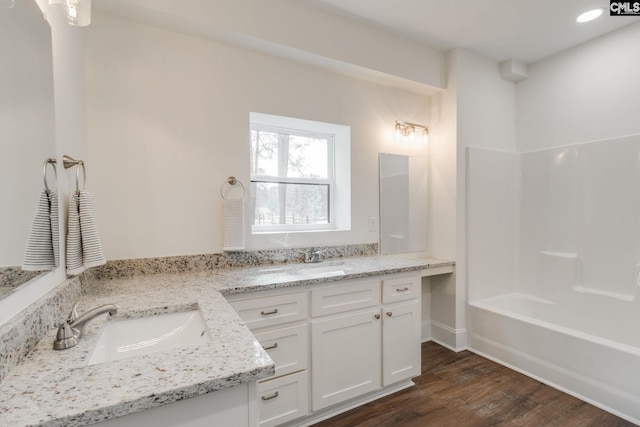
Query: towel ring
70,162
52,162
232,181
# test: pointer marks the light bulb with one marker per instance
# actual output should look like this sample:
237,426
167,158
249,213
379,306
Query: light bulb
589,15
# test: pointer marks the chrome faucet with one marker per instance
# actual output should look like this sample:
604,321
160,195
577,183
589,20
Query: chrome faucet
70,331
315,256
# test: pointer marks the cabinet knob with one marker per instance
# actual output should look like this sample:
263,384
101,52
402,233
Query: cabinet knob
267,313
405,289
389,313
377,316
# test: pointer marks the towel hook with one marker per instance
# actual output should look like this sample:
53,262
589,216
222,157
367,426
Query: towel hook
232,180
68,162
52,162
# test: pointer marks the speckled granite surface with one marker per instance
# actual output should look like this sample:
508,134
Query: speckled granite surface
57,388
12,277
210,262
23,332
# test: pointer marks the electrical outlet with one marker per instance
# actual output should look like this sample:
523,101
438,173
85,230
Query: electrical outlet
373,226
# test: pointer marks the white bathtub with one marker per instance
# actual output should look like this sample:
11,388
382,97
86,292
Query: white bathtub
562,345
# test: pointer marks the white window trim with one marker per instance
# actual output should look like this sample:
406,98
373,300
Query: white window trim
340,191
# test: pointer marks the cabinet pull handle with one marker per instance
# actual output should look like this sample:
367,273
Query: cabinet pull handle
271,347
389,313
405,289
266,313
273,396
377,316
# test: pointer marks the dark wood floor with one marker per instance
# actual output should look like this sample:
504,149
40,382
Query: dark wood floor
464,389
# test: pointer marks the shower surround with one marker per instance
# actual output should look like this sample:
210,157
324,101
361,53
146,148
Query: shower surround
553,246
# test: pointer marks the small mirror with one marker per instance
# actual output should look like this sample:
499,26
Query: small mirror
403,203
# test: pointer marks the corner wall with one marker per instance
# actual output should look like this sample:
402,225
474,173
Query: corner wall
477,110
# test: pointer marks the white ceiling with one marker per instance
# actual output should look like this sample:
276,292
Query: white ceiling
526,30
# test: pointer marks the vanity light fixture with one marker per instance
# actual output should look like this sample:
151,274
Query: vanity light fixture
406,131
78,11
589,15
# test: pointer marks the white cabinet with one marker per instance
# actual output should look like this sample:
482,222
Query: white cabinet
271,310
401,328
400,342
226,407
279,322
288,347
347,297
346,357
333,343
364,336
282,399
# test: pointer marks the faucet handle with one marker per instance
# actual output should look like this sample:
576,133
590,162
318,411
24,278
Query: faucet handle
65,337
73,315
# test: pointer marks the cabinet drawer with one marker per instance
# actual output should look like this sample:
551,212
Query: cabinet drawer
273,310
343,298
401,289
283,399
288,347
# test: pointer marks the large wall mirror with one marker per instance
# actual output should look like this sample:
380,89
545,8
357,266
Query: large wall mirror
403,203
26,130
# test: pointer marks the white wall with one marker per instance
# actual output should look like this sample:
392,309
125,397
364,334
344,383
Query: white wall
297,30
167,118
477,110
587,93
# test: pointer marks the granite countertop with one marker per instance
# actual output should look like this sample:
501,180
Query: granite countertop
58,388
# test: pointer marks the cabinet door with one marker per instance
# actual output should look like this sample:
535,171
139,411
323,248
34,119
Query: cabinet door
271,310
400,342
288,347
282,399
401,289
345,297
346,358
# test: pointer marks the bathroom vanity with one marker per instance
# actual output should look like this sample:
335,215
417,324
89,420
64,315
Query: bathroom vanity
299,342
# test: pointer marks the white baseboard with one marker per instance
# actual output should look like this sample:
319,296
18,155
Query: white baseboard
453,339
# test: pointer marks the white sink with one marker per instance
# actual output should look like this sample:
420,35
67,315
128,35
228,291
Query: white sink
125,338
322,270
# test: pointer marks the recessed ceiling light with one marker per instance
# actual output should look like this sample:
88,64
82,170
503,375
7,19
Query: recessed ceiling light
589,15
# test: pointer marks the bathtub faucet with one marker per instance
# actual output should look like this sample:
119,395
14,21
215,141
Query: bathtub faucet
70,331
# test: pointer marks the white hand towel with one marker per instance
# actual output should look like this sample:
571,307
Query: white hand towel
42,246
55,225
74,237
233,225
84,248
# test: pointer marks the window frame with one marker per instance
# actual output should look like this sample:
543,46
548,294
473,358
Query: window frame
329,182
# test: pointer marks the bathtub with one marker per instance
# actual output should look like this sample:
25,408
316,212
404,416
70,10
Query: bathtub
562,345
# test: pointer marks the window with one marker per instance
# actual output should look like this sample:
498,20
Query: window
294,184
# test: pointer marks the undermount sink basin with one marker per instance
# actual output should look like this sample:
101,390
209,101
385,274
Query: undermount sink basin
320,270
121,339
307,270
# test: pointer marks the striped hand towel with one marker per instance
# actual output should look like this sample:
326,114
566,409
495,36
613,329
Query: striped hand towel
233,225
84,248
42,251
